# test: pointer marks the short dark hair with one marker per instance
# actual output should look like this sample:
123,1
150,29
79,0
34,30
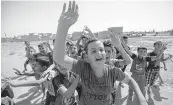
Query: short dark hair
88,42
143,48
125,37
157,42
43,61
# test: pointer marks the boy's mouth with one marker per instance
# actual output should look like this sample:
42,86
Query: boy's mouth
99,59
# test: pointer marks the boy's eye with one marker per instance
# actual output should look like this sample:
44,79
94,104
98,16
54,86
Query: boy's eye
94,51
101,50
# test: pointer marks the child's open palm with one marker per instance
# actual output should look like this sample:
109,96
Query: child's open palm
70,16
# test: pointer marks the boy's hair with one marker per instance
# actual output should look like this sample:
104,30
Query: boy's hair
83,36
157,42
88,42
43,61
125,37
143,48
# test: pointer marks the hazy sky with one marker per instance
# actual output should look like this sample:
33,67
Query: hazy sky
20,17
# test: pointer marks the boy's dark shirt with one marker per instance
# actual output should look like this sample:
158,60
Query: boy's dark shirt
154,64
139,65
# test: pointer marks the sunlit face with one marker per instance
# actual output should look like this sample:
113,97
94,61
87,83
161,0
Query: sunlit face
96,53
73,50
142,52
158,46
41,49
125,41
37,67
84,40
108,51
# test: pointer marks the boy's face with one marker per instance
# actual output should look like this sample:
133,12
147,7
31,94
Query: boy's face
126,40
158,45
37,67
84,40
108,51
96,53
42,49
142,52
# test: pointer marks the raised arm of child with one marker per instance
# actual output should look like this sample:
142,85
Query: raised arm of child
159,56
67,19
117,43
70,91
27,83
126,47
90,32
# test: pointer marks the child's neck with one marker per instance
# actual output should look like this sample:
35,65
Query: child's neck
140,57
98,70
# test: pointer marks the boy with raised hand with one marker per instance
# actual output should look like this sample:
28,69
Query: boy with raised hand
153,69
97,78
55,81
139,66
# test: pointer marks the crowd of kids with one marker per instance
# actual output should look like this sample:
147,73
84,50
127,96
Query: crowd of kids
85,73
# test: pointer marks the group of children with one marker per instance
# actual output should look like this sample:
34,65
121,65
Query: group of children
86,73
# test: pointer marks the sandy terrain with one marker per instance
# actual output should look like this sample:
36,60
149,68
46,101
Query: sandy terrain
13,56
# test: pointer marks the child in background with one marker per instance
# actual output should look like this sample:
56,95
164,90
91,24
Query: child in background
115,62
153,68
139,66
53,80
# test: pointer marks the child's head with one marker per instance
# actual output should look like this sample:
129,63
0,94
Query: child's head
40,64
84,39
95,52
42,48
61,69
108,49
142,51
72,50
125,38
158,45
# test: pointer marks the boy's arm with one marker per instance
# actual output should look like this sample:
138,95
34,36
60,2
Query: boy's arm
116,42
90,32
132,83
121,76
66,20
70,91
27,83
126,47
168,58
153,58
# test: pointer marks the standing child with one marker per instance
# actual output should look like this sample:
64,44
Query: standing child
153,68
115,62
139,66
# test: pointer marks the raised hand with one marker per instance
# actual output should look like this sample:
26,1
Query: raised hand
115,40
69,17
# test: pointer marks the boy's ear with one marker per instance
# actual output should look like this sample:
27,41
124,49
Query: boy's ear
87,60
45,67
